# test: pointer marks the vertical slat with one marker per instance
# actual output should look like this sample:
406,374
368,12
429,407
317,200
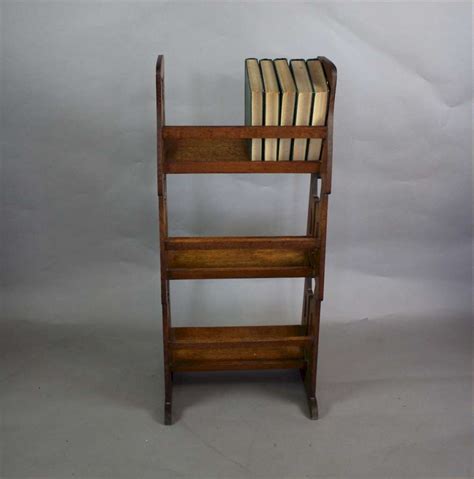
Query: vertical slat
305,314
311,230
331,76
163,228
326,174
310,375
323,217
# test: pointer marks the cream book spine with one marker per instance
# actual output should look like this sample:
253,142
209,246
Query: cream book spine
254,104
320,105
271,107
287,104
304,98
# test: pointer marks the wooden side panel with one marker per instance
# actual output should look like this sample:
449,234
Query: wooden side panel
331,76
317,227
163,231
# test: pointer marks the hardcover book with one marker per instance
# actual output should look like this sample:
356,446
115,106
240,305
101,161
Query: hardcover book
271,107
287,105
304,100
320,105
254,104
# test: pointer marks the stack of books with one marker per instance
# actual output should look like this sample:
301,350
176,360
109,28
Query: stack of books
278,93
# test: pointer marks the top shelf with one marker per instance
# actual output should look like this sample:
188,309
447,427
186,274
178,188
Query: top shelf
224,149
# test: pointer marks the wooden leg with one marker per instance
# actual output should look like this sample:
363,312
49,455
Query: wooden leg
311,315
310,394
311,374
306,300
305,312
313,407
168,400
168,396
165,303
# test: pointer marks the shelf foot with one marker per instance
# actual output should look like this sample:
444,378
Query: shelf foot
168,417
310,396
313,408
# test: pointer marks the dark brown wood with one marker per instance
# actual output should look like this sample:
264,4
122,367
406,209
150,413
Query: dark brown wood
331,75
285,353
239,364
238,337
224,155
242,343
163,231
240,272
199,167
258,261
317,227
236,258
224,149
233,332
326,177
232,242
216,348
311,321
215,132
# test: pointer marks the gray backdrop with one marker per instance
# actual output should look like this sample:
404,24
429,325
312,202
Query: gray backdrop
79,201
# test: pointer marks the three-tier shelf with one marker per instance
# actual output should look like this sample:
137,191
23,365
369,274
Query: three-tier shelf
223,149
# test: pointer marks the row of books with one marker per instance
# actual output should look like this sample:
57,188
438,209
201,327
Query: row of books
278,93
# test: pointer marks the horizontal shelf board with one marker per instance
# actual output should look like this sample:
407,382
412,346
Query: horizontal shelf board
236,258
237,263
243,132
292,351
216,167
238,354
229,365
239,337
232,332
235,273
230,242
224,156
238,347
237,343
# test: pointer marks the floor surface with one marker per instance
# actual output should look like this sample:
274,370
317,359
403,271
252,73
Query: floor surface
84,400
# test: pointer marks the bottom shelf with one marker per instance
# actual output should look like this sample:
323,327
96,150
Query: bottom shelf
231,348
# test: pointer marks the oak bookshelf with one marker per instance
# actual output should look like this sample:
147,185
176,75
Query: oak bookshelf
222,149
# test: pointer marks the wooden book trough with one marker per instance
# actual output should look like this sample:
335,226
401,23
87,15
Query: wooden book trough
223,149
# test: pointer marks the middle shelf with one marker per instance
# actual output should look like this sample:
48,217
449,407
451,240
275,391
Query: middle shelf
241,257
